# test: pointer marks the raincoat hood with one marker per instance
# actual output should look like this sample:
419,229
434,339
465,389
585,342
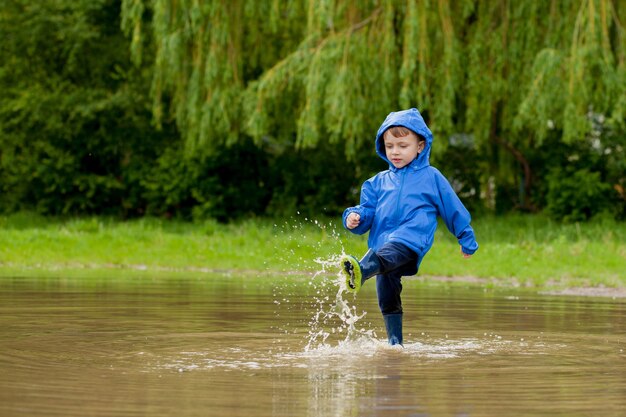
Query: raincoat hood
413,120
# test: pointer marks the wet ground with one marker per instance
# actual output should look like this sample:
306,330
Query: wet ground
221,345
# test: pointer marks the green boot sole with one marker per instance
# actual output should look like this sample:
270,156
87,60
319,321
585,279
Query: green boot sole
352,272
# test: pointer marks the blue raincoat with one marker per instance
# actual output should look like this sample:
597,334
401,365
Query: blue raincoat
402,205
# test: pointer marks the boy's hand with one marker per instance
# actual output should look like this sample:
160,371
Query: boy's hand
353,220
465,255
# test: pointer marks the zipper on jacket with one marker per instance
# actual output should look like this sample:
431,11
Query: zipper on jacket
402,175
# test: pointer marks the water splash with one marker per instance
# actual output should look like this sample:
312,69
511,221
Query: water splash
335,318
334,315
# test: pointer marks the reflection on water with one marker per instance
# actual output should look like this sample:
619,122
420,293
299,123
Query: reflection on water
292,346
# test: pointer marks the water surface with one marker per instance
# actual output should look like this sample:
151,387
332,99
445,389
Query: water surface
221,345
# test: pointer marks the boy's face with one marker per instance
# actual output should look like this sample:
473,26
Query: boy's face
403,150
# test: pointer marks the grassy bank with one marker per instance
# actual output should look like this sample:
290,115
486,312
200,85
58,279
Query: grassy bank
524,250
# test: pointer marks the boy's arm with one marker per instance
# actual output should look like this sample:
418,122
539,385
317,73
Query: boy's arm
365,209
455,215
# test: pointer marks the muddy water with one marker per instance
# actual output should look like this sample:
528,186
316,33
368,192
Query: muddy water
229,346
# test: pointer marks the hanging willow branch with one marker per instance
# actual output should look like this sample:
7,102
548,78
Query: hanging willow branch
305,71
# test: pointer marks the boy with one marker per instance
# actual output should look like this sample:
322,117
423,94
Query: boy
399,207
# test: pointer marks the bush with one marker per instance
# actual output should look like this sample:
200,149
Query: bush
461,165
230,184
314,181
576,195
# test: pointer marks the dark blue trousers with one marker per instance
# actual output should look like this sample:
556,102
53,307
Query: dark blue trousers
396,260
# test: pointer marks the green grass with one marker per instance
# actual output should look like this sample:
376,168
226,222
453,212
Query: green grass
515,250
532,250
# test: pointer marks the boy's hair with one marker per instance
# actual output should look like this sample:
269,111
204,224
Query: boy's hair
401,131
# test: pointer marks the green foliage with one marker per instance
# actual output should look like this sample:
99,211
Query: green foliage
583,178
232,108
594,69
311,182
576,195
75,131
228,185
460,62
315,73
460,163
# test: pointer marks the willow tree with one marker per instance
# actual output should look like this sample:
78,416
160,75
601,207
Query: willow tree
504,74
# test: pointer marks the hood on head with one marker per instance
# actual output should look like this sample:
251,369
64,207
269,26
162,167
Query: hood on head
411,119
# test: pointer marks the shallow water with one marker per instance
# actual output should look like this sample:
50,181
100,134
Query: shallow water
286,346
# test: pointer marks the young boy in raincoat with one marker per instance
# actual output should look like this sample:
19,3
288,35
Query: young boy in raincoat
399,207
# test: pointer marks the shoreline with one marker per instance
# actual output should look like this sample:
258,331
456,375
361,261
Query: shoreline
561,290
8,270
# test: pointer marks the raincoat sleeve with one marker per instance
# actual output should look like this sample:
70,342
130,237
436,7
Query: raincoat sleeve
365,209
455,215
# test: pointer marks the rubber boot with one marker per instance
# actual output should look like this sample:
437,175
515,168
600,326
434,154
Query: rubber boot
357,272
393,324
